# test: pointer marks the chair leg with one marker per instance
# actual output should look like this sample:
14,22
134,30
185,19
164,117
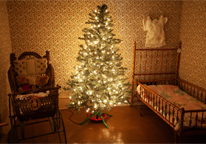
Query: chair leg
62,122
22,130
57,120
13,136
55,126
52,123
60,125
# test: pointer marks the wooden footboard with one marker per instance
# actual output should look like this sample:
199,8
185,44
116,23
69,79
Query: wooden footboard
162,107
175,116
192,90
200,119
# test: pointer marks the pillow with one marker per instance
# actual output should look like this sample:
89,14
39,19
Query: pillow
41,66
20,67
143,94
30,67
138,88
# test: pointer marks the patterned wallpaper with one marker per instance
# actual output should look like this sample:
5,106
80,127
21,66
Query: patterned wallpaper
193,37
5,50
56,25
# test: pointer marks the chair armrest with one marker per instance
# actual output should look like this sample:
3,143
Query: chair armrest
43,89
3,124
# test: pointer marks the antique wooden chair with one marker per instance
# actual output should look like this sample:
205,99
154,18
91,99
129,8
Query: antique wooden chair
33,93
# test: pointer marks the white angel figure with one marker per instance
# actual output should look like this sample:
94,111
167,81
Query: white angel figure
155,34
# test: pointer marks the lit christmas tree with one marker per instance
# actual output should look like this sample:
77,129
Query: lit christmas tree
98,84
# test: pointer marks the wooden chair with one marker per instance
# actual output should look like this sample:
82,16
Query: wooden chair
33,93
23,66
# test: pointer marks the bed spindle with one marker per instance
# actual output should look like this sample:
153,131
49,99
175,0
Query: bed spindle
173,114
150,65
171,63
156,101
190,122
194,93
177,62
177,118
166,63
169,113
201,95
190,91
196,118
153,99
133,71
202,119
162,106
145,64
198,95
182,85
179,84
186,88
156,65
161,62
140,58
165,109
182,118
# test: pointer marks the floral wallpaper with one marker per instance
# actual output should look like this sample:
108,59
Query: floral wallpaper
56,25
193,37
5,50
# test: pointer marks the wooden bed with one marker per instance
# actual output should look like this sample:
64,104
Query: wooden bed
159,67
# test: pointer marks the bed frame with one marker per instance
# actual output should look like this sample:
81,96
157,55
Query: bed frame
160,66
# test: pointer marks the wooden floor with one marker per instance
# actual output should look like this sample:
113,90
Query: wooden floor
126,126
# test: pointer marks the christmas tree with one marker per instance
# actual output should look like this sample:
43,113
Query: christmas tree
98,84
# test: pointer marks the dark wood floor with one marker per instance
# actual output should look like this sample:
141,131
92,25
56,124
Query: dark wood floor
126,126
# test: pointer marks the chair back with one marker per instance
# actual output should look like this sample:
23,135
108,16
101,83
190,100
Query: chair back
30,68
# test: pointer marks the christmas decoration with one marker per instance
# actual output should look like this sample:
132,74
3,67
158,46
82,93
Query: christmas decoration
98,84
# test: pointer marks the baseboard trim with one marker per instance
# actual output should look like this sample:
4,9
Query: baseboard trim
64,97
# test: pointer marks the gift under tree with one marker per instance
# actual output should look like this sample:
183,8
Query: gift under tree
99,82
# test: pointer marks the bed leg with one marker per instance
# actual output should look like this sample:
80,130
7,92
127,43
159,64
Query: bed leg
140,110
176,137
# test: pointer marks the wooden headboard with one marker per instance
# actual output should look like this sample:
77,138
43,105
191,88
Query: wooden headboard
153,65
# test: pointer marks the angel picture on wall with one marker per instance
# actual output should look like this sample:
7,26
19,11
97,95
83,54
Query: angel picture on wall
155,31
